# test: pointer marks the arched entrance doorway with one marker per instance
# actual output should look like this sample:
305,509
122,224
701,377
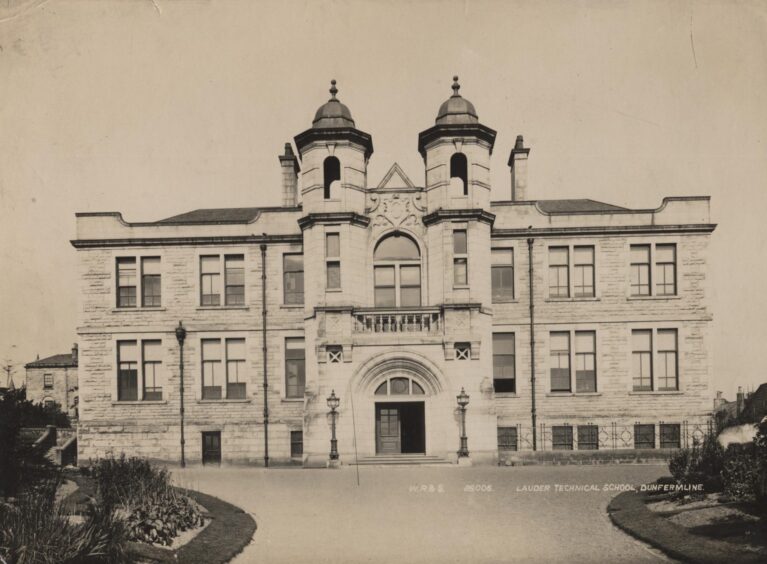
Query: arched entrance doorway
400,417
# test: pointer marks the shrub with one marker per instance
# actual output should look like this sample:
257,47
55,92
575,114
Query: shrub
37,531
760,442
154,511
741,473
699,465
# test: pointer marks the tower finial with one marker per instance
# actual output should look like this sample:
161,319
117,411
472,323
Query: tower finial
456,87
333,89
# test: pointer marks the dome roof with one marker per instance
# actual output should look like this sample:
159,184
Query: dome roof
332,113
456,109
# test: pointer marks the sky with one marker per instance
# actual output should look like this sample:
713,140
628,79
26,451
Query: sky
153,108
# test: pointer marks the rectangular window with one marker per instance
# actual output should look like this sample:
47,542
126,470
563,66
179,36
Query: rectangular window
385,289
332,260
667,360
295,367
502,274
47,381
507,438
126,282
588,437
150,282
644,436
585,361
670,435
335,353
504,374
235,369
562,437
127,371
583,272
641,359
152,367
212,369
296,444
460,258
210,280
234,270
559,280
640,270
293,278
665,270
410,285
463,351
560,362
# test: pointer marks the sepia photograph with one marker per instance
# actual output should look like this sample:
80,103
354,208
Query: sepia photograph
378,281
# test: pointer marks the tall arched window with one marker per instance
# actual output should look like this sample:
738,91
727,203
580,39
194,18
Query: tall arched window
459,169
331,172
397,272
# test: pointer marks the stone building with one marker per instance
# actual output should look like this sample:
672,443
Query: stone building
570,324
53,381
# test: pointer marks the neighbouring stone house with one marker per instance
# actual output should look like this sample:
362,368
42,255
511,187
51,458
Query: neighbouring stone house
569,324
53,381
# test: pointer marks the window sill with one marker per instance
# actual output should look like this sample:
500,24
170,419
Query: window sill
574,299
142,309
505,301
293,400
223,307
333,290
139,402
657,393
292,306
461,287
244,400
643,298
502,395
570,394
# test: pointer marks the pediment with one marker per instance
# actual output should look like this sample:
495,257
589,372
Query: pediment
395,178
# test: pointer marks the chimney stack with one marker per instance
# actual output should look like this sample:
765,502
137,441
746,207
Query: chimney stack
518,164
74,353
740,400
290,170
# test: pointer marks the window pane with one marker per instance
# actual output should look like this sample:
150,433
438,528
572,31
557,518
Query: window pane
459,242
641,340
562,437
211,349
584,341
235,349
128,351
399,386
209,264
558,256
384,275
502,256
397,247
503,343
410,297
504,385
583,255
152,351
588,437
293,262
385,297
334,275
667,339
150,265
560,341
235,270
410,275
332,245
417,389
507,438
640,254
293,344
382,390
460,272
665,253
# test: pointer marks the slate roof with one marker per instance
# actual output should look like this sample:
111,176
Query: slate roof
576,206
55,361
219,215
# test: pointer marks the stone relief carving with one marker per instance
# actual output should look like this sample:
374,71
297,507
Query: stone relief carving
396,210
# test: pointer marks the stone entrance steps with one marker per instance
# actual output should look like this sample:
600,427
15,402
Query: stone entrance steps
399,460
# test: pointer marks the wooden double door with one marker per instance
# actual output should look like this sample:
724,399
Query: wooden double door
211,447
400,428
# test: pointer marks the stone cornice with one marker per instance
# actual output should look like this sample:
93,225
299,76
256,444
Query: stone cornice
332,134
604,230
477,130
463,214
333,217
184,241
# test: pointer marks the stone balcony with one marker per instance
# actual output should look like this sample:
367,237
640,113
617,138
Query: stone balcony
424,320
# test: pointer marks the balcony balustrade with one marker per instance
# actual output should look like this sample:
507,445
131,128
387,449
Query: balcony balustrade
423,320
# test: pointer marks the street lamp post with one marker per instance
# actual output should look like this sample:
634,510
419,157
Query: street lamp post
333,403
463,401
181,337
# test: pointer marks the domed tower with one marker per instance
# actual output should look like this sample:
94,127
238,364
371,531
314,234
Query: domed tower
334,154
456,152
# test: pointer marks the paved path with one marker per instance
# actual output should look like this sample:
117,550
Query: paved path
320,516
